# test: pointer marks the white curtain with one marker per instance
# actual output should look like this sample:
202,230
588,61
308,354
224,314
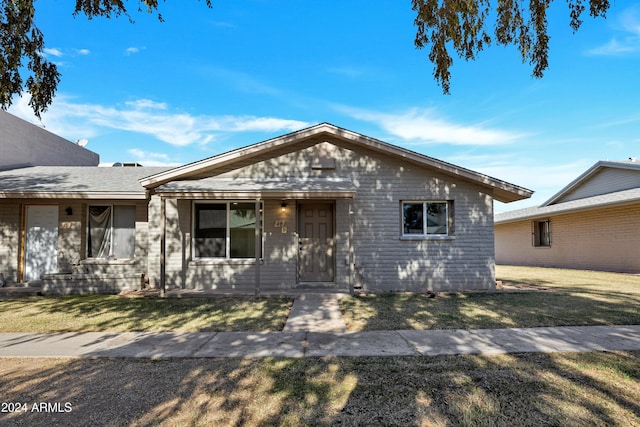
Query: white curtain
99,231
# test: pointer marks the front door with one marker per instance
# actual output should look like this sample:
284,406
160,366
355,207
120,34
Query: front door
41,241
316,256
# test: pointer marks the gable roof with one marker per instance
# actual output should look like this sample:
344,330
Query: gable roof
86,182
597,187
590,173
326,132
611,199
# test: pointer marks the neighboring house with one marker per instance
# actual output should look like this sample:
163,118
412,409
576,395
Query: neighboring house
23,144
592,223
320,207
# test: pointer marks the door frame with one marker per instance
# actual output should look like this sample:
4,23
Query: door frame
300,203
23,237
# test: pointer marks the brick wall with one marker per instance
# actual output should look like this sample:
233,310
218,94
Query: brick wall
383,260
605,239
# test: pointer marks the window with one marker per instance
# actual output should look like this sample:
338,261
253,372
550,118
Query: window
111,232
225,230
541,233
425,219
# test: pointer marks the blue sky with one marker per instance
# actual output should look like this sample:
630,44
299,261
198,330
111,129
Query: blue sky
209,80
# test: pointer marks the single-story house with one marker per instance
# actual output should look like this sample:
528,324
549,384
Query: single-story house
593,223
320,207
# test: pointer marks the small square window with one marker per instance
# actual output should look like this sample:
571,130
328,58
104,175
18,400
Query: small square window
425,219
541,233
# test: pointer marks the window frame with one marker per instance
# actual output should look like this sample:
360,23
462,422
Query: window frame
448,234
228,204
112,206
537,234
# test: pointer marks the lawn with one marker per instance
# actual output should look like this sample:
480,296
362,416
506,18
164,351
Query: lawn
97,313
568,389
551,297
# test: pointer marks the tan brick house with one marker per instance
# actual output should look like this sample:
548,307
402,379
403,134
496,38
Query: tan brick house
593,223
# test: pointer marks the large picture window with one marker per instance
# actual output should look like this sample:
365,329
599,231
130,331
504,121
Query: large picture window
111,232
225,230
423,219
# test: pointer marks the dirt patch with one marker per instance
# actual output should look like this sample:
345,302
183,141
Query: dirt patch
140,293
503,285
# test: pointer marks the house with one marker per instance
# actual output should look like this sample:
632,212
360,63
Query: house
24,144
592,223
320,207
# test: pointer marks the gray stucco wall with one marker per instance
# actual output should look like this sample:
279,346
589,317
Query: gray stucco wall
384,261
23,144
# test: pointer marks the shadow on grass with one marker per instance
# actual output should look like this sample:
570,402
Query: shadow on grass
522,389
490,310
113,313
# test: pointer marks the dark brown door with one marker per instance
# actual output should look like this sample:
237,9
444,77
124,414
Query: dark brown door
316,259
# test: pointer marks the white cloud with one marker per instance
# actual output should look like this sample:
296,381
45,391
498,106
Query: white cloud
75,120
424,126
627,23
544,179
131,50
615,47
83,51
146,103
53,52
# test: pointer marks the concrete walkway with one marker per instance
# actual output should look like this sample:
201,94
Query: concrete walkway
318,344
315,313
315,328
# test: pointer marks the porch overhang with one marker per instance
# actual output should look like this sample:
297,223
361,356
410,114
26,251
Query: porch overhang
242,188
71,195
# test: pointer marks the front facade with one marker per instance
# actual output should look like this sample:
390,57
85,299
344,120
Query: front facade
84,229
319,208
593,223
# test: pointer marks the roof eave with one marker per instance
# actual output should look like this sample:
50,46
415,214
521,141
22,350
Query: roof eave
511,194
582,208
71,195
241,195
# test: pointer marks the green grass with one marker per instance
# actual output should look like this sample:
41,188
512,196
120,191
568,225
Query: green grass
555,297
570,389
97,313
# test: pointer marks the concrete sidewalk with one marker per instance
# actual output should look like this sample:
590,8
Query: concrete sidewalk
315,328
319,344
